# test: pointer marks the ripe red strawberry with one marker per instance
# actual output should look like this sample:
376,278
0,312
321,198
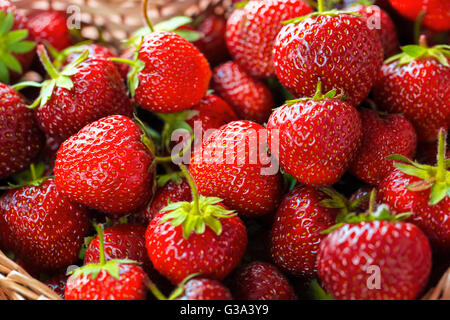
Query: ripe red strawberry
170,75
107,280
383,135
336,48
20,137
427,106
58,284
86,90
233,164
212,43
422,190
379,21
205,289
41,226
318,138
125,241
353,257
437,12
296,232
250,98
107,166
50,26
261,281
251,32
201,236
17,51
94,49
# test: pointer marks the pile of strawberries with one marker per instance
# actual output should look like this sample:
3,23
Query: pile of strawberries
290,150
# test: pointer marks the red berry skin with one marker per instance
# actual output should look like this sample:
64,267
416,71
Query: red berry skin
317,139
296,231
20,23
261,281
212,43
363,192
249,97
125,241
233,176
42,227
427,106
340,51
170,192
438,12
58,284
205,289
130,285
215,256
98,92
400,251
176,75
434,220
382,136
20,137
252,30
385,30
50,26
106,167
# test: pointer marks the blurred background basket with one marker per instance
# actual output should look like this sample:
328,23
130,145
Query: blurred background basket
113,21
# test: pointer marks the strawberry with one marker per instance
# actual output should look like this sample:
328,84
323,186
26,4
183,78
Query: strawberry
250,98
86,90
57,283
361,197
374,257
20,137
41,226
169,74
17,50
261,281
334,47
378,20
212,44
302,213
107,280
72,53
424,191
125,241
427,106
205,289
221,168
50,26
383,135
201,236
437,15
107,166
251,33
318,137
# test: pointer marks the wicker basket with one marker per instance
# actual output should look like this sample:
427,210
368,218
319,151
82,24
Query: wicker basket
117,20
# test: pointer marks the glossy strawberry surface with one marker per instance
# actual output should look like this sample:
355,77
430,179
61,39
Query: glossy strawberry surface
129,286
106,166
261,281
42,227
317,139
50,26
296,231
20,137
250,98
233,164
251,33
205,289
353,257
176,75
338,50
383,135
214,256
426,105
58,284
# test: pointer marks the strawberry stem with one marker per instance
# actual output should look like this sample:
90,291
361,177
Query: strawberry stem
146,17
101,244
46,62
423,41
320,6
154,289
194,190
418,26
441,163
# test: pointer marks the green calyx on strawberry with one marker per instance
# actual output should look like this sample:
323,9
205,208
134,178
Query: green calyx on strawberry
93,269
412,52
436,178
380,213
176,293
11,41
318,96
338,201
195,216
30,177
174,121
